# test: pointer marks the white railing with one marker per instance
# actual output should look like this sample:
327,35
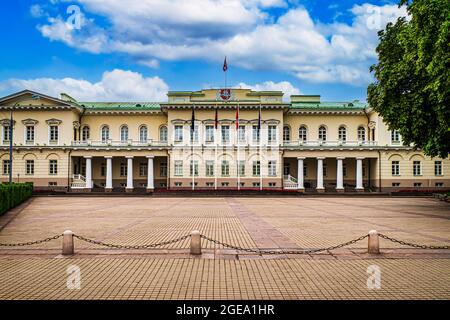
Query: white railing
118,143
79,177
289,178
78,185
328,143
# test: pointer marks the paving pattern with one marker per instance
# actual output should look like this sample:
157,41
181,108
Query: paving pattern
39,272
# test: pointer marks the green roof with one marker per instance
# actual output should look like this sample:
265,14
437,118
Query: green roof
355,105
120,105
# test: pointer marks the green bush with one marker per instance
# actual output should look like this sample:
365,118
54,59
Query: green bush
13,195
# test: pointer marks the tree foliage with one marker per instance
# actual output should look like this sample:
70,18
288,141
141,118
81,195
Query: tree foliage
412,78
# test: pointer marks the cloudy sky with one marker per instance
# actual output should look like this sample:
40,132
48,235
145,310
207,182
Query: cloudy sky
139,49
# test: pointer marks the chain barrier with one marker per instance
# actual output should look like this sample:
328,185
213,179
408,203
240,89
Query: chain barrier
414,245
226,245
281,251
21,244
119,246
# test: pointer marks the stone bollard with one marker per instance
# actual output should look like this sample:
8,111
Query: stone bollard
67,245
196,242
374,242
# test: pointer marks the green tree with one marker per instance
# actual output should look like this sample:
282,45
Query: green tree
412,78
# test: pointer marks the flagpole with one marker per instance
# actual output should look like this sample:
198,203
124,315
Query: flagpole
260,157
237,156
215,151
192,148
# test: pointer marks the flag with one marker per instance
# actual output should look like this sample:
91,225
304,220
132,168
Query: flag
237,117
259,119
225,66
192,124
216,120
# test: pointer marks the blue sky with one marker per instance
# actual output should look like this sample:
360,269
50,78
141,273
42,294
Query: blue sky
137,50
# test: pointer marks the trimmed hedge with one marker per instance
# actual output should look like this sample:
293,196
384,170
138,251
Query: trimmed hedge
13,195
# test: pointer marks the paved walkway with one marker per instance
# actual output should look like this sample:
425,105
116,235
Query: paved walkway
170,273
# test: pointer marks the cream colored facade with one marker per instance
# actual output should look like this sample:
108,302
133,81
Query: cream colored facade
61,143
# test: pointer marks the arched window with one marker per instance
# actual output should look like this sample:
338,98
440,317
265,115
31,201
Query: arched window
123,133
322,133
361,134
302,133
286,133
143,134
85,134
105,134
342,133
163,134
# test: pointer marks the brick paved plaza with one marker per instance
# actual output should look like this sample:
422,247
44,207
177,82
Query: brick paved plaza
169,272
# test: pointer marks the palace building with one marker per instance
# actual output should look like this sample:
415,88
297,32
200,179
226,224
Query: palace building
209,139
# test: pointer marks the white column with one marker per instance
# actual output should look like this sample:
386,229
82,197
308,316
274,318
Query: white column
300,177
108,185
359,174
150,182
340,175
129,172
320,174
88,172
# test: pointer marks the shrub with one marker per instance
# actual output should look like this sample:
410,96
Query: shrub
13,195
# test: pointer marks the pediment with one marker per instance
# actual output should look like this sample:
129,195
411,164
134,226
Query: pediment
28,98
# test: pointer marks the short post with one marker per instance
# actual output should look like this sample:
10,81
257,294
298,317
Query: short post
67,245
196,245
374,242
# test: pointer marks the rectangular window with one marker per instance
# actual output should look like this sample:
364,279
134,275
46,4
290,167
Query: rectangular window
417,184
417,168
103,169
439,184
6,133
209,168
272,167
178,133
364,169
54,133
395,136
305,169
52,184
53,167
123,169
6,167
178,168
324,166
178,184
344,169
193,135
272,134
395,168
210,184
241,168
396,184
143,169
225,168
209,133
29,167
255,133
256,168
225,134
272,184
193,168
29,135
225,184
438,168
241,133
256,184
163,169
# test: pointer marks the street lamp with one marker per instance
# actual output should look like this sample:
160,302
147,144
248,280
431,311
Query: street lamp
11,124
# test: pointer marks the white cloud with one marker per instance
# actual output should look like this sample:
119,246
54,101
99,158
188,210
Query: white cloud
115,85
36,11
285,86
153,30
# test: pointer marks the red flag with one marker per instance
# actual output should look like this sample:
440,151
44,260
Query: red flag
237,117
225,66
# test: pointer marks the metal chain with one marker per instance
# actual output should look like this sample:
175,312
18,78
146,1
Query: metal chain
414,245
119,246
21,244
281,251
